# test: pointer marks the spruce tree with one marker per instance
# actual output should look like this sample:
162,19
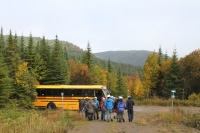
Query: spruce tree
45,56
5,83
22,48
110,69
30,53
12,59
173,78
109,75
39,68
160,84
65,53
2,42
57,69
87,58
121,88
16,44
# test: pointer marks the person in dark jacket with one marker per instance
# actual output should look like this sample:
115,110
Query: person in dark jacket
115,108
129,106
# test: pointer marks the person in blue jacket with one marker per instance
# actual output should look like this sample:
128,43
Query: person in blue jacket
96,108
121,106
109,107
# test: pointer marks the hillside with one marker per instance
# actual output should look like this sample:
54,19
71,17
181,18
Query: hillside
132,57
74,52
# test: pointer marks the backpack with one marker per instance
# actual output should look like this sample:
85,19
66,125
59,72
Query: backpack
121,106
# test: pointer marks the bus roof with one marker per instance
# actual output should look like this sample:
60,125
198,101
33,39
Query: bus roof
70,87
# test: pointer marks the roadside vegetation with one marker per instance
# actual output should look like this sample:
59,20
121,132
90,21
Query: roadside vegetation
172,118
193,100
13,119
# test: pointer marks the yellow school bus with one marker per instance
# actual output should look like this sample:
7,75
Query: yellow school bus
67,96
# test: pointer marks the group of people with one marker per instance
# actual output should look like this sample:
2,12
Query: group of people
110,108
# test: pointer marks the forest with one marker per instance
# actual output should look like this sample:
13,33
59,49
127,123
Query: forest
25,64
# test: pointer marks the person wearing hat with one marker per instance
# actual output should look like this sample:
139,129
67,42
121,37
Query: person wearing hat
109,107
96,108
121,106
86,101
129,105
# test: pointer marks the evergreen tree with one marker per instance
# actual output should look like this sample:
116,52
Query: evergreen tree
121,88
57,69
39,68
5,83
173,79
160,84
45,56
166,56
30,53
87,58
65,53
12,59
160,57
109,82
16,43
2,42
110,69
22,48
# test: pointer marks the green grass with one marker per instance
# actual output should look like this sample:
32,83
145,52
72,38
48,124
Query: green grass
40,121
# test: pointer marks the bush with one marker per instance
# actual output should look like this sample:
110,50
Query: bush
195,98
194,121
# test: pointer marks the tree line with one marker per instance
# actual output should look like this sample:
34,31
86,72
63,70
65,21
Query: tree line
25,65
162,74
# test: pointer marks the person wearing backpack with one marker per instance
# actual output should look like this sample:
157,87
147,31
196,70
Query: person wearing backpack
129,105
109,107
96,109
121,106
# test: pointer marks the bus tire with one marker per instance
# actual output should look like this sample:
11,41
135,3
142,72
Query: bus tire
51,106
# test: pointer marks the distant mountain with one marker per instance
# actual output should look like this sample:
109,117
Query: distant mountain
132,57
75,52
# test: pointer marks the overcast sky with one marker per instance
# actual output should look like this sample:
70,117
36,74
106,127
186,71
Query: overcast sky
108,25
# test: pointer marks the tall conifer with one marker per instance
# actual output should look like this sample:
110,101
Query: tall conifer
57,69
22,48
30,52
173,79
5,83
2,42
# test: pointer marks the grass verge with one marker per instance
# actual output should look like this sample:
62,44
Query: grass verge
40,121
175,117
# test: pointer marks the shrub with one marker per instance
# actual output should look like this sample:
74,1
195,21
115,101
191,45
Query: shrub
193,121
195,98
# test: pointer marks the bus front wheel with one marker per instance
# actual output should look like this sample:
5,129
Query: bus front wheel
51,106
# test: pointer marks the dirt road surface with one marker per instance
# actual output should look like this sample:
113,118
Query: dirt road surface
99,126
